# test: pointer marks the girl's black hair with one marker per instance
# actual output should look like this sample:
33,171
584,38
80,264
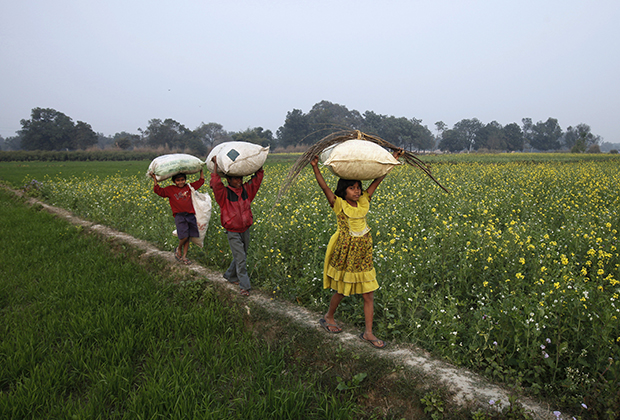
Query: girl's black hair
174,177
343,184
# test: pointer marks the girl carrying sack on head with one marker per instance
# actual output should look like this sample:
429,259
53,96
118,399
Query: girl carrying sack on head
348,267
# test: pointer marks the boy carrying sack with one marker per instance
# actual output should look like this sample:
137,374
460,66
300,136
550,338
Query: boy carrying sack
236,217
180,197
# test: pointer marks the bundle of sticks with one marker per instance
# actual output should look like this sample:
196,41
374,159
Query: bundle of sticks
342,136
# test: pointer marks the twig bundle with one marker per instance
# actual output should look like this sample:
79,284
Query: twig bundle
342,136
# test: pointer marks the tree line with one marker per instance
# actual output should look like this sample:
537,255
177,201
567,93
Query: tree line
48,129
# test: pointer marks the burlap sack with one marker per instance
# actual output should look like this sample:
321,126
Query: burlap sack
360,159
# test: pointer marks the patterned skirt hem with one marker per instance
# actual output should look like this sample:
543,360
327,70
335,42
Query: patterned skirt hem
350,283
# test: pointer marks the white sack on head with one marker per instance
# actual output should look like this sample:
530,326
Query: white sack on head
165,166
238,158
360,159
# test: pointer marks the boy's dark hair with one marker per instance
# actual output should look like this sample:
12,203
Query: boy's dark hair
177,176
343,184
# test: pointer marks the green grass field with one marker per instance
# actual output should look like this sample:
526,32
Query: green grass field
18,174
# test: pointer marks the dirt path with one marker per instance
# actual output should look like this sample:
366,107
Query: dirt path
469,388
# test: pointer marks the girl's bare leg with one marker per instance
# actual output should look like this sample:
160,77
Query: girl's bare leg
369,311
333,305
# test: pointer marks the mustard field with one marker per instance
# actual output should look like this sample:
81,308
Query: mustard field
515,273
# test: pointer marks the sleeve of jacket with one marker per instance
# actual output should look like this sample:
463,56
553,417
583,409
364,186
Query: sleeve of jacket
159,191
219,190
197,184
253,184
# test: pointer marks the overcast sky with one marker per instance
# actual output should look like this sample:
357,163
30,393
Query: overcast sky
116,64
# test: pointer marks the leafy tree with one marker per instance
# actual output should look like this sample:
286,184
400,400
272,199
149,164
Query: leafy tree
125,140
13,143
580,138
84,136
172,134
163,133
373,123
579,146
426,140
255,135
326,117
296,127
211,134
123,143
542,135
467,130
514,137
47,129
400,131
453,141
104,141
332,115
440,127
491,136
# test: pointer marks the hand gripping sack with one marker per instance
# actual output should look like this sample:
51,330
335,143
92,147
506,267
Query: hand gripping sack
165,166
359,159
237,158
202,207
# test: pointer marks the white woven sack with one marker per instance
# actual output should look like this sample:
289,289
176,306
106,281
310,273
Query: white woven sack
360,159
202,207
165,166
238,158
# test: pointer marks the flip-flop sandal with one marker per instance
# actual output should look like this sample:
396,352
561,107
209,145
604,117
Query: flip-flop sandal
176,255
372,342
326,325
244,292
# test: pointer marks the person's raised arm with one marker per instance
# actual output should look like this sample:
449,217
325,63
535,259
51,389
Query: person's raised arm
331,198
375,183
154,179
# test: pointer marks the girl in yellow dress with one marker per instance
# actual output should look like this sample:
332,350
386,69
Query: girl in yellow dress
348,260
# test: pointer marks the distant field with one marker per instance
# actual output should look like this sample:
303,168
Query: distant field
18,174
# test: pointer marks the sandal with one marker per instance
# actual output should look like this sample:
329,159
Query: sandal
177,256
186,261
331,328
244,292
378,344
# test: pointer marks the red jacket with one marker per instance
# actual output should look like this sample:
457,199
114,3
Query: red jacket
235,211
180,198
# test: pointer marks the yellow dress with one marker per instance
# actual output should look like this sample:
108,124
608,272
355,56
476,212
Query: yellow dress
348,265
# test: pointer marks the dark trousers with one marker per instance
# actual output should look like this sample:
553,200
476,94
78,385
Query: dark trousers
238,271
